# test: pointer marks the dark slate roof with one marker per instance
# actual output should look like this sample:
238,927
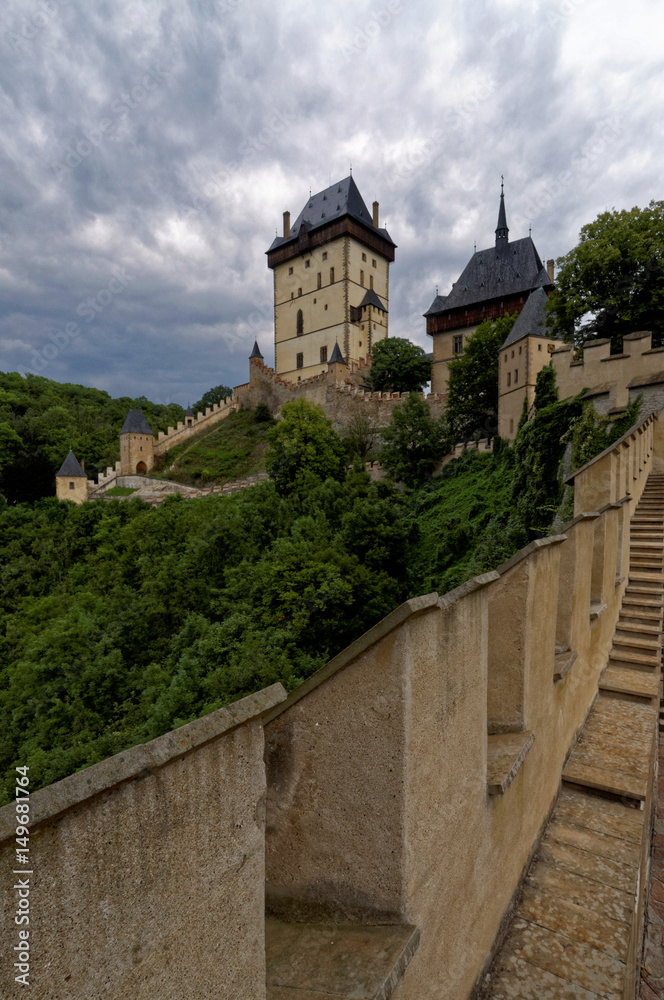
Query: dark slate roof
189,412
437,306
135,423
335,202
256,351
337,356
371,299
508,269
531,321
71,467
502,230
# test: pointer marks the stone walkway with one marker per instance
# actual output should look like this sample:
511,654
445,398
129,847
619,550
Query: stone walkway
573,935
652,970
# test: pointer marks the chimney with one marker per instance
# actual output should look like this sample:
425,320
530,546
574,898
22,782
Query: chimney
549,269
375,214
286,225
83,464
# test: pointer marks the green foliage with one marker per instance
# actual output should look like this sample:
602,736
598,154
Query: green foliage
590,432
397,365
217,394
120,491
41,420
612,282
413,442
546,391
232,449
472,403
304,448
361,435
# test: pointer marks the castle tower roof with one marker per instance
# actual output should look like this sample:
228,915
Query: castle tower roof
136,423
189,412
502,232
71,467
371,299
337,356
531,321
256,351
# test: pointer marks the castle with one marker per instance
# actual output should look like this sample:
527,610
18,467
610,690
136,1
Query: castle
331,305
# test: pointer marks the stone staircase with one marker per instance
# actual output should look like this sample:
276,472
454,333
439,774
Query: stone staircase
577,927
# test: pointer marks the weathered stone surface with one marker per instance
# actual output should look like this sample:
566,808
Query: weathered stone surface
574,921
339,960
586,892
591,840
506,753
519,980
605,870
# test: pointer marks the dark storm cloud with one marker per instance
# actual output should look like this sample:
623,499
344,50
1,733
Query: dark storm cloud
149,150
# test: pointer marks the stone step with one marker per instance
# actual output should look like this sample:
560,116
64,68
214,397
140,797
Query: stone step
644,563
506,753
627,627
639,596
648,645
637,661
638,576
637,683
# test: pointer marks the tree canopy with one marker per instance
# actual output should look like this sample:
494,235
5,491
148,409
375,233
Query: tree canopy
304,447
397,365
472,403
210,398
413,442
612,282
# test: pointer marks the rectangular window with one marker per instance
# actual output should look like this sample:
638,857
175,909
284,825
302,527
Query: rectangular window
539,347
364,256
362,278
323,355
71,486
373,262
292,295
331,275
299,360
509,379
371,281
290,270
319,279
307,263
324,254
299,291
519,350
516,375
458,345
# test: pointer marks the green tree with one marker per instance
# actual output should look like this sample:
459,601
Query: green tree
215,395
612,282
413,442
361,435
397,365
546,391
472,403
304,448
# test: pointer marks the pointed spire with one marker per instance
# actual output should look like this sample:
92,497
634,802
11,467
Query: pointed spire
337,356
71,467
502,237
256,351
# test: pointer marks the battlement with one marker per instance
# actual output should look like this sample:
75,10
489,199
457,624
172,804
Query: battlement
186,429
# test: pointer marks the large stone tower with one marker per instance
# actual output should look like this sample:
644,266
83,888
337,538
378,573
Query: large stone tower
331,282
136,445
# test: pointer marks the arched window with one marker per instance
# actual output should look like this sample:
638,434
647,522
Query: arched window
300,323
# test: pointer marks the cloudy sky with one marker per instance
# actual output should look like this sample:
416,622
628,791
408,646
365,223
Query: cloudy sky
149,149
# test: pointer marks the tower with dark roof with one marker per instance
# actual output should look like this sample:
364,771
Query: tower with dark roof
136,445
71,482
331,282
495,282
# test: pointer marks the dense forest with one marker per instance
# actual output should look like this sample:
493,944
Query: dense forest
121,621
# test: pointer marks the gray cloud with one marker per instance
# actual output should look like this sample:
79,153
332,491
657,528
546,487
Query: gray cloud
162,141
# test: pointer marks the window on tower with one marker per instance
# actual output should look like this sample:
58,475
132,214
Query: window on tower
371,281
307,263
300,323
290,270
319,279
324,254
458,344
323,355
364,256
362,278
299,360
331,275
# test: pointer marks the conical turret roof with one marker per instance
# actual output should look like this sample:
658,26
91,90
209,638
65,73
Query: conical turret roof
337,356
256,351
136,423
72,468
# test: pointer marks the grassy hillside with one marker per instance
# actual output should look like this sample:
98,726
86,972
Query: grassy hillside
232,449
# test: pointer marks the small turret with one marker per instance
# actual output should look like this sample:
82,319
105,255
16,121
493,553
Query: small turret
256,352
189,416
502,232
136,445
336,365
71,482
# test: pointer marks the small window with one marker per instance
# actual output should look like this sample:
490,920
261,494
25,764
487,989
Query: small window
300,323
516,375
539,347
509,379
362,278
290,270
315,300
319,280
519,350
323,355
360,343
512,353
71,486
511,426
326,306
458,345
292,295
307,263
371,281
325,255
364,256
331,275
299,361
373,262
505,357
299,292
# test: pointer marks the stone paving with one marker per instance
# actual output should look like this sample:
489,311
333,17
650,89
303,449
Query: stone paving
652,969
